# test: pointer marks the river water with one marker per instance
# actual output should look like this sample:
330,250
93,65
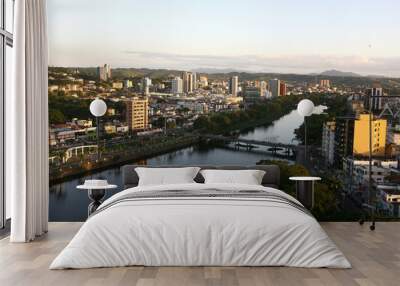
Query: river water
69,204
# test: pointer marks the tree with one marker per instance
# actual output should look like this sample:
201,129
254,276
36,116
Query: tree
56,116
325,203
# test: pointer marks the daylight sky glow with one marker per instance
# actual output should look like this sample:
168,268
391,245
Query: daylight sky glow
253,35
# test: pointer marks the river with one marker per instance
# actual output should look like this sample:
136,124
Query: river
69,204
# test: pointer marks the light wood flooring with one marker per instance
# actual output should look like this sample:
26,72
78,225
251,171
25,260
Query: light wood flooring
375,257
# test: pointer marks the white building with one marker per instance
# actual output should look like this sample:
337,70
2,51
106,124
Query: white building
177,85
375,97
146,83
104,72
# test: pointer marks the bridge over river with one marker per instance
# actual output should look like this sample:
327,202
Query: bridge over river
249,144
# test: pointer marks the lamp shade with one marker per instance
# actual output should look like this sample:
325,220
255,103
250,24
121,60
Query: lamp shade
305,107
98,107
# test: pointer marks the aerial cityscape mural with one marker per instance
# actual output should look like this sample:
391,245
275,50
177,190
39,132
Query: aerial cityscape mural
219,83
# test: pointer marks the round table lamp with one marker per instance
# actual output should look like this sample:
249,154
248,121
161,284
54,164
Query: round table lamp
98,108
305,108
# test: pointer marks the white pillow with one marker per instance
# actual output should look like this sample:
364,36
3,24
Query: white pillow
248,177
166,176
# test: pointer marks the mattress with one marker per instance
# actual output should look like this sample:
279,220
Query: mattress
201,225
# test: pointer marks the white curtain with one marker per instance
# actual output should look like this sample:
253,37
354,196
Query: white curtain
27,124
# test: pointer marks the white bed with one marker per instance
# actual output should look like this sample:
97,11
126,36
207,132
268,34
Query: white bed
201,231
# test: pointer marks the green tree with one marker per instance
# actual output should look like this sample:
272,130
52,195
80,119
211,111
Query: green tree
56,116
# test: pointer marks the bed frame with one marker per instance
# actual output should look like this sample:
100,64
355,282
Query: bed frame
271,178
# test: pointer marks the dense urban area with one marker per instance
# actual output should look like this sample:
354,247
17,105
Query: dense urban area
152,112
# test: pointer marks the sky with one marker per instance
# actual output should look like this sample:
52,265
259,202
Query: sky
284,36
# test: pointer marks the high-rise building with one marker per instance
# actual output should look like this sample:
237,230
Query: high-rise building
177,85
282,88
325,83
361,136
373,94
194,81
104,72
146,83
263,88
234,86
188,79
137,114
274,87
328,142
344,136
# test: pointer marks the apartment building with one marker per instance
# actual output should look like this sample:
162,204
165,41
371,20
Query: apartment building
137,114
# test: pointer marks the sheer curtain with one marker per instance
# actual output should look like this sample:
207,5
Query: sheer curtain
27,124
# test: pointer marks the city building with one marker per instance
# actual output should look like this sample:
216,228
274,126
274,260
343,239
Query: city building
282,89
357,171
203,81
233,85
393,140
361,174
128,83
361,136
373,98
344,136
177,85
389,195
104,72
251,95
328,142
53,88
325,83
117,85
137,114
188,79
194,80
146,83
274,87
263,88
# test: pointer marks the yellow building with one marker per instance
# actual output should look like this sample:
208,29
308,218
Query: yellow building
361,136
137,114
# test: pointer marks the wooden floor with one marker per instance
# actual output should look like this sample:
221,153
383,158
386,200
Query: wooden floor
375,257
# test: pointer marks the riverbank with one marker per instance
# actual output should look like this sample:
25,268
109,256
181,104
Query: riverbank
118,158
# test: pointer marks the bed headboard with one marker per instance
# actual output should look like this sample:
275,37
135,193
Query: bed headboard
271,178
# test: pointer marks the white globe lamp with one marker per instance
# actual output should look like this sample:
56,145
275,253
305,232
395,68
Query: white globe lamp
305,107
98,108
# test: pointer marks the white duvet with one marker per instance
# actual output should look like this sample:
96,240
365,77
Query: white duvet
202,232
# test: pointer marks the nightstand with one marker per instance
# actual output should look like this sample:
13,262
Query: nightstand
96,191
305,190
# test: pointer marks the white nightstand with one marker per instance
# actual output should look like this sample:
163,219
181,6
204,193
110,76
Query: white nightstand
96,191
305,190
